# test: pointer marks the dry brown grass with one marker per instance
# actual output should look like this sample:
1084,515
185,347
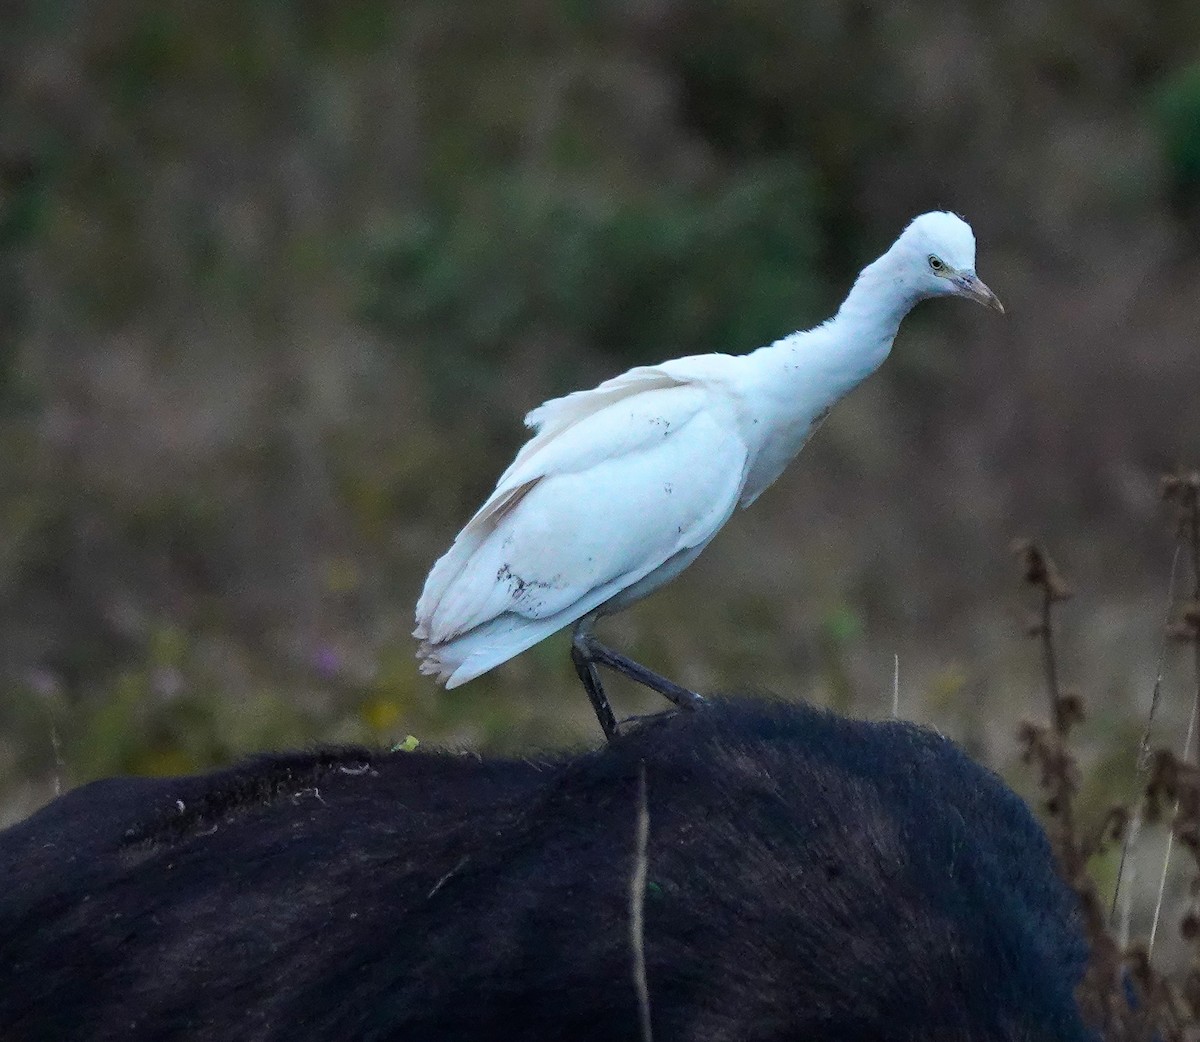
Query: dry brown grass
1125,993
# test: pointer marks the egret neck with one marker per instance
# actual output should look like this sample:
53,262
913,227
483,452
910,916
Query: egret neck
793,383
870,316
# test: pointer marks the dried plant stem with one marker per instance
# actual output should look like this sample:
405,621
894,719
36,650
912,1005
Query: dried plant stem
1193,517
1050,657
1133,832
1059,726
895,687
60,766
1126,905
1049,747
1162,883
637,908
1143,759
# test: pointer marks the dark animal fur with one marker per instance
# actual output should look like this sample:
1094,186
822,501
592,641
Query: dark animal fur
810,878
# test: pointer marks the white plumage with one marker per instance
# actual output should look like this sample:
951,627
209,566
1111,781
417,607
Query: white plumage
622,486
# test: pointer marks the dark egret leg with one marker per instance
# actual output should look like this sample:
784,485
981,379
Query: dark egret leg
591,683
587,652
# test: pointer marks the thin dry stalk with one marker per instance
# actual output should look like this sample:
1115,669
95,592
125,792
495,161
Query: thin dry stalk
60,765
1126,903
1047,745
895,687
1162,882
1183,489
1143,760
637,907
1133,833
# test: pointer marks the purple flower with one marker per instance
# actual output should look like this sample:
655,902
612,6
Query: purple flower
326,661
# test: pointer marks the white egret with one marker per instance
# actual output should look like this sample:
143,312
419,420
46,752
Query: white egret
622,486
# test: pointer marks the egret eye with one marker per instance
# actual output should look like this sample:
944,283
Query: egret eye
935,262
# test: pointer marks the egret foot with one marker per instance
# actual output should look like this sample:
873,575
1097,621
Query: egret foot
645,718
587,653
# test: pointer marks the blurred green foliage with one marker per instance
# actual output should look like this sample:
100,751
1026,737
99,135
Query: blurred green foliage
1178,112
730,266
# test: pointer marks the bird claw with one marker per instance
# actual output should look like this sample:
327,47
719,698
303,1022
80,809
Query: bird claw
644,719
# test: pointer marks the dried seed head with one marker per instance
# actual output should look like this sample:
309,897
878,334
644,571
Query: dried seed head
1190,927
1163,770
1069,709
1030,737
1116,823
1138,958
1039,570
1180,486
1033,561
1183,631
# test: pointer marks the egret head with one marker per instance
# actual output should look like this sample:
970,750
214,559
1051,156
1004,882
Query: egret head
938,252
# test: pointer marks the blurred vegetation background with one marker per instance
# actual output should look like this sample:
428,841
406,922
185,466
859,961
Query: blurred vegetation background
278,281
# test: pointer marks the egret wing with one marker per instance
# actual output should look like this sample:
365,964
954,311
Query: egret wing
578,430
621,493
640,419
